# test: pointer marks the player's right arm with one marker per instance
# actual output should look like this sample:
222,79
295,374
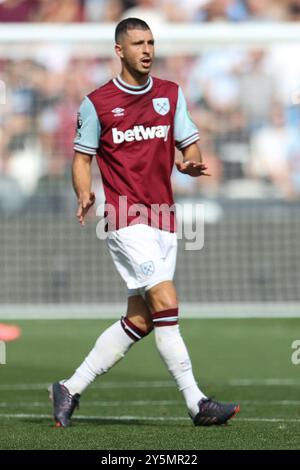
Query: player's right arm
85,145
82,183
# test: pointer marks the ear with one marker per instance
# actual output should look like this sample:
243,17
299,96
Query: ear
119,51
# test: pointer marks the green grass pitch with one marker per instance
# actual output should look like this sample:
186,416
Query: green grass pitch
137,406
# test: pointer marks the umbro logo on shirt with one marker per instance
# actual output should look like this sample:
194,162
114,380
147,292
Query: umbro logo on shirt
118,111
140,133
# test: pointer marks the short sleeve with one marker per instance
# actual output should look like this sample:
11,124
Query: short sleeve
185,131
88,128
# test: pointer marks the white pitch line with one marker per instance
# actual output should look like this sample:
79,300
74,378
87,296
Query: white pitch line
269,420
263,382
111,404
140,418
40,404
22,387
270,402
161,384
93,418
105,385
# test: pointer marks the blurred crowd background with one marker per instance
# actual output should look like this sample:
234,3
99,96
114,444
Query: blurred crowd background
244,100
160,10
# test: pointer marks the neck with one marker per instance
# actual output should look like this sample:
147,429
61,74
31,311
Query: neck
133,79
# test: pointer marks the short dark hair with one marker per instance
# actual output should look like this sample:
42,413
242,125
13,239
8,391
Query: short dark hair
127,24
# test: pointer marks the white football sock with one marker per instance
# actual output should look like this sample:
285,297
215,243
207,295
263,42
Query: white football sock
110,348
173,351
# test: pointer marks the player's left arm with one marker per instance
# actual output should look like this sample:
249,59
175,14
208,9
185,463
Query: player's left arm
186,137
192,163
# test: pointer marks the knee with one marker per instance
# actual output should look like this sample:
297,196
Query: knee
164,303
144,324
162,297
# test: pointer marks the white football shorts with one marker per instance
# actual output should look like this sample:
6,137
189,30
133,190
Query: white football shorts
143,255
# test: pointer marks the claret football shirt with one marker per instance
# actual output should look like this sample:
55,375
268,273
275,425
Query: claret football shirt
133,131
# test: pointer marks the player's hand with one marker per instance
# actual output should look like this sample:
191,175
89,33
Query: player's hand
85,202
192,168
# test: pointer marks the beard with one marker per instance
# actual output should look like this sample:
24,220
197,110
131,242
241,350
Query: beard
136,68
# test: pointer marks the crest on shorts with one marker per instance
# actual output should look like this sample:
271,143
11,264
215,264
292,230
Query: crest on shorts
161,105
147,268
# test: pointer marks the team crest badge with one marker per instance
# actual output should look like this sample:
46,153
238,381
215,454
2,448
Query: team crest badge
147,268
161,105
